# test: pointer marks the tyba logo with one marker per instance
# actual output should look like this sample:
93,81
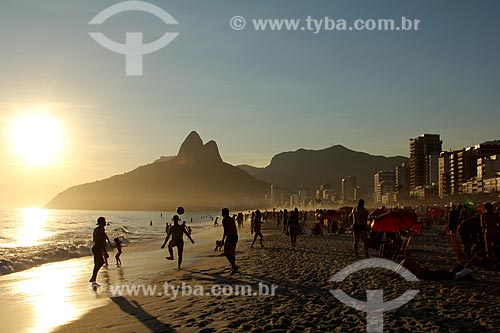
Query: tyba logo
134,49
374,305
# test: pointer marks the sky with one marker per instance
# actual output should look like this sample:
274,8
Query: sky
256,93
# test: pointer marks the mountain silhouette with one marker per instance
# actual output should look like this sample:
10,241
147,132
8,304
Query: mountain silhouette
311,168
197,178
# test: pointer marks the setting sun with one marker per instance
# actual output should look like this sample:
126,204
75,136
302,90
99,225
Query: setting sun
37,138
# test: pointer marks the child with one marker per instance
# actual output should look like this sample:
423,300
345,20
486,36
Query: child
118,245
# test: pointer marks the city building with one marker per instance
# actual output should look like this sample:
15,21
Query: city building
466,164
349,189
384,186
402,179
420,149
444,177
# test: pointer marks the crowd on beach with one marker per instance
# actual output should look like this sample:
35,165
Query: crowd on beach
473,232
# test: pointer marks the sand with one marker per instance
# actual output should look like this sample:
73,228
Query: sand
302,301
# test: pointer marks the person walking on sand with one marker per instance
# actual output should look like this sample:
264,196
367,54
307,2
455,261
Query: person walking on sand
359,227
177,232
229,239
293,226
256,227
99,249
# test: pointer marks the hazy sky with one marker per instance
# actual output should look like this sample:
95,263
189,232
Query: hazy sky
255,93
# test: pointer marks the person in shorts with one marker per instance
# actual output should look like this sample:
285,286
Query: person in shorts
177,232
359,217
229,239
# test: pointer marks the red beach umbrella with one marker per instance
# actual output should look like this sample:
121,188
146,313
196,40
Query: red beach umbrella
378,212
332,214
394,221
437,212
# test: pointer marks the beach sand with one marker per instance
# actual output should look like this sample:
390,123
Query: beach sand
302,301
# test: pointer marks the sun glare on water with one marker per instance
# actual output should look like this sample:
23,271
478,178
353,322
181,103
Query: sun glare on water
37,138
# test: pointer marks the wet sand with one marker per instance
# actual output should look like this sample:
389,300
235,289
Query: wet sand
45,297
302,301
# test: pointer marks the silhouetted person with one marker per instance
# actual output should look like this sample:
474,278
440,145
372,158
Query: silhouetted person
359,227
177,232
229,239
490,222
453,219
99,249
293,226
118,245
256,227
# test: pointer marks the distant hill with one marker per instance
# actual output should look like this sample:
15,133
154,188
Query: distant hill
197,178
164,159
310,168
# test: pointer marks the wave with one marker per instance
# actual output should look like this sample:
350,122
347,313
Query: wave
123,229
21,258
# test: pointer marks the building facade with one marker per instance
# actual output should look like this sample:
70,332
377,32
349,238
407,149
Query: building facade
420,149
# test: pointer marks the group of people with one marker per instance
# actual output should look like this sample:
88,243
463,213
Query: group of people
479,231
476,230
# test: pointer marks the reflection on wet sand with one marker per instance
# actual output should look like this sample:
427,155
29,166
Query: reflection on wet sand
42,298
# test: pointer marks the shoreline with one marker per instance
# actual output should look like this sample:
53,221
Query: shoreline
302,301
63,285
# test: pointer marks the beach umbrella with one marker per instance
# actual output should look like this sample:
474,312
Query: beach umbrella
332,214
394,221
346,210
378,212
437,212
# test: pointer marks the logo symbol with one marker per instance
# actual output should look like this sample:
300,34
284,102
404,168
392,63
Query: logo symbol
374,305
134,49
95,289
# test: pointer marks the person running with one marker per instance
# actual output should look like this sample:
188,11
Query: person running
256,227
177,232
118,245
293,226
359,227
229,239
490,223
99,249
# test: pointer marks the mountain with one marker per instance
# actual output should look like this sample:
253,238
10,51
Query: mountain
197,179
311,168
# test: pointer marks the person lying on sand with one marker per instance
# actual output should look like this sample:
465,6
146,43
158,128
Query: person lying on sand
177,232
458,272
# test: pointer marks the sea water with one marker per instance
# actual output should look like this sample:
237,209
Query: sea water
30,237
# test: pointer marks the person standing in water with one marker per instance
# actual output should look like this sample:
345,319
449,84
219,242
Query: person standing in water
177,232
118,245
99,249
229,239
256,227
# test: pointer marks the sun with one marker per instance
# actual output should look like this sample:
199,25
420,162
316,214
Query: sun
37,138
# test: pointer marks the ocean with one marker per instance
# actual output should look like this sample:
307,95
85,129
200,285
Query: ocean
31,237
